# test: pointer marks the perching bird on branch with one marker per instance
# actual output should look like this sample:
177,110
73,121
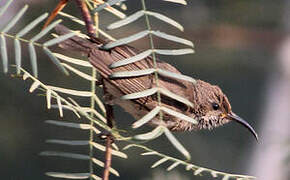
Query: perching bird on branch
211,107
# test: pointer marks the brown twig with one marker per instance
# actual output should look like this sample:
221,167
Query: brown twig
87,18
108,158
56,10
109,139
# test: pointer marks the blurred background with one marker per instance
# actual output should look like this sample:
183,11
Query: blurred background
242,45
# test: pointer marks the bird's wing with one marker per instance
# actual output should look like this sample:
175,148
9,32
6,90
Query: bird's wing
102,59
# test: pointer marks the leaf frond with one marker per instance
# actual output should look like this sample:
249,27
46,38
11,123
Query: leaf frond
17,38
197,170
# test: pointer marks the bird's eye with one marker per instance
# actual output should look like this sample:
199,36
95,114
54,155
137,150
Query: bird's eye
215,106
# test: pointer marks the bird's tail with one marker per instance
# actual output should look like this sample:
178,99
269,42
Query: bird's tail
87,47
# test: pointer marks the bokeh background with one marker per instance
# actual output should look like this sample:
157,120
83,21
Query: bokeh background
242,45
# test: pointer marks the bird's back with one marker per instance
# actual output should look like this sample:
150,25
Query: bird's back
101,59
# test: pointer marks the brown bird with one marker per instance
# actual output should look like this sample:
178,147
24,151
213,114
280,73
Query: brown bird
211,106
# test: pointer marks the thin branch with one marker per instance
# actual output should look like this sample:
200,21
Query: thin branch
153,57
55,12
87,18
109,139
108,158
93,90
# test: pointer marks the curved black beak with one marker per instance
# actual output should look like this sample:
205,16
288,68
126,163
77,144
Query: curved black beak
238,119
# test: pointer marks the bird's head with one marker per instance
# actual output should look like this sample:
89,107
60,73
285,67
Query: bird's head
214,108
